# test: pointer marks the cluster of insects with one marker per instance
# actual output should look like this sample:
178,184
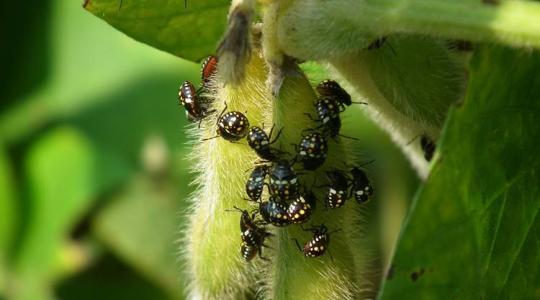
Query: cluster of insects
289,201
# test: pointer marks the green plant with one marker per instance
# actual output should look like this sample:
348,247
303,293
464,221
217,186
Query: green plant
411,82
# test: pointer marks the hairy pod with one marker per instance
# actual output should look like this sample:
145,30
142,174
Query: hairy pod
340,273
215,265
213,242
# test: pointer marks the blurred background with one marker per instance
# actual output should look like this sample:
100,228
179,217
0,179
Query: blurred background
93,180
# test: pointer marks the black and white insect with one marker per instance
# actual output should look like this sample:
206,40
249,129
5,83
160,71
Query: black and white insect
274,212
256,182
259,141
361,187
232,126
252,234
318,244
330,88
283,181
301,208
338,190
208,70
328,110
312,150
194,104
428,147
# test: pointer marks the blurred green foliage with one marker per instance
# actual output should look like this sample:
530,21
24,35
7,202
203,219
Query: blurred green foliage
93,181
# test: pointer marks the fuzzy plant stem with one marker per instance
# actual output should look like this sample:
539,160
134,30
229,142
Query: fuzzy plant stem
350,25
212,240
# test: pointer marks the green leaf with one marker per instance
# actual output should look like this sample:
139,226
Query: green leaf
61,181
188,29
474,230
140,226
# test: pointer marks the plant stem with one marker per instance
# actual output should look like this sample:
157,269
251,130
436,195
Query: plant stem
515,23
351,25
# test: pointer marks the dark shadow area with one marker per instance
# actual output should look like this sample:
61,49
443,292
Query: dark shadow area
25,51
108,279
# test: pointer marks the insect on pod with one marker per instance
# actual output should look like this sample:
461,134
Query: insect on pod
312,150
274,212
255,183
338,191
330,88
334,99
328,109
189,98
318,244
301,208
252,235
232,126
208,70
361,188
283,181
428,146
259,141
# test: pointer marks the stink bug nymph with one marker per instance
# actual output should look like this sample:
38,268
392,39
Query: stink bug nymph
190,100
338,190
361,187
312,150
274,212
318,244
428,147
255,183
331,88
232,126
209,68
328,110
259,141
301,208
283,181
252,235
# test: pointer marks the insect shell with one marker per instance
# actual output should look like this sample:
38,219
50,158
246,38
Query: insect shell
255,183
332,89
428,146
274,212
232,126
361,188
209,68
319,242
338,191
259,141
301,208
190,100
328,110
312,150
283,181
